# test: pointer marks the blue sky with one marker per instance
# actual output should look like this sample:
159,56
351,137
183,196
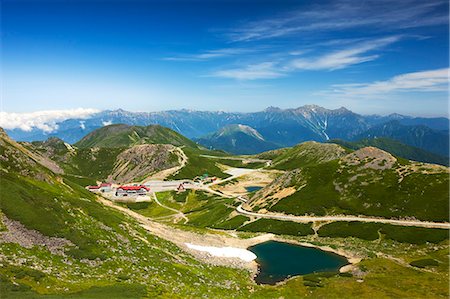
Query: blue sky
372,56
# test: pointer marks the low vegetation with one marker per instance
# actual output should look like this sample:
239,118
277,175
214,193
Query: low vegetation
58,241
374,231
374,183
278,227
396,148
198,165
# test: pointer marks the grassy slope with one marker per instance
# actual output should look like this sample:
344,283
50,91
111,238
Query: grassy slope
86,165
396,148
124,136
134,268
198,165
374,192
406,243
330,186
303,155
373,231
127,260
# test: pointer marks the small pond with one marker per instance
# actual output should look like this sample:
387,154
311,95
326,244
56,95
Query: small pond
252,188
278,261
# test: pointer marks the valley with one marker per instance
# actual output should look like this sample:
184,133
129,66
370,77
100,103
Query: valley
214,209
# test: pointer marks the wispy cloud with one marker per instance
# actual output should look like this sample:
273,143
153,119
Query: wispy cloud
43,120
358,52
377,15
265,70
343,58
424,81
212,54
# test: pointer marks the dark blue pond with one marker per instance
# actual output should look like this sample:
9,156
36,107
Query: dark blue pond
252,188
278,261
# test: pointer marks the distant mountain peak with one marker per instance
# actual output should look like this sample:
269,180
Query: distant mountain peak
396,116
272,109
234,128
311,106
342,109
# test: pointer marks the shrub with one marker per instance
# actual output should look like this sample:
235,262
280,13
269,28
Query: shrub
279,227
424,263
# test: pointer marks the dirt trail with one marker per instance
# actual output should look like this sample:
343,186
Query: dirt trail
248,160
306,219
235,173
179,213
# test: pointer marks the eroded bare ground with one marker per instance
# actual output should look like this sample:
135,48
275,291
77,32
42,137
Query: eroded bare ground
370,157
17,233
258,178
163,174
141,160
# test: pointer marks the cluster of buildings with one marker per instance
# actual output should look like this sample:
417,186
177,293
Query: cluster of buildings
134,190
205,179
103,187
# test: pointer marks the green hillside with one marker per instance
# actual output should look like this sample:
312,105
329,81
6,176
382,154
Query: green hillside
120,135
303,155
63,243
120,153
58,241
396,148
106,164
368,181
237,139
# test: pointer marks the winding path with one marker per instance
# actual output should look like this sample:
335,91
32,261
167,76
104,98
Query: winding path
251,160
305,219
179,213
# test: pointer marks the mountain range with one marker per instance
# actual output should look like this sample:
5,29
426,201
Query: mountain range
277,127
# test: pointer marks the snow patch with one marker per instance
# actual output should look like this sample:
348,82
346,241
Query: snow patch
107,123
243,254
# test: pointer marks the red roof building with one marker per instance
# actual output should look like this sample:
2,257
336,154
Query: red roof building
133,188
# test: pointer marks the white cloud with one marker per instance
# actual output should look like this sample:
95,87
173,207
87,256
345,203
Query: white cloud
425,81
265,70
376,15
43,120
212,54
343,58
356,53
107,123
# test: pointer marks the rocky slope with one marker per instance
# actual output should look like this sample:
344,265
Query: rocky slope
140,161
118,164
